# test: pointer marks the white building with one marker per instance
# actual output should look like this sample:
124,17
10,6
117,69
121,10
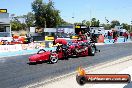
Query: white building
97,30
120,30
54,30
5,30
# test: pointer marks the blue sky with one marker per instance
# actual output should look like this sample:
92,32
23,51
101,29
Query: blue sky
80,9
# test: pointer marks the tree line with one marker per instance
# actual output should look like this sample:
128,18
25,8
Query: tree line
42,15
96,23
45,15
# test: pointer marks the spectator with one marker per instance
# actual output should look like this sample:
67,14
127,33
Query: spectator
114,34
105,35
115,38
125,36
131,35
109,35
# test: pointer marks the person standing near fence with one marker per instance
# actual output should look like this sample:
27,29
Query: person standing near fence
131,35
125,36
115,38
109,35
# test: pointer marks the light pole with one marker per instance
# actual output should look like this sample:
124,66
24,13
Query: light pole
11,17
90,18
73,20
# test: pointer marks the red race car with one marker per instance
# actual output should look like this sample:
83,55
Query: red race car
82,48
43,55
78,47
49,56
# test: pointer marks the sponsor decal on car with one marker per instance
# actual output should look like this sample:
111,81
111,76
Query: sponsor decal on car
81,50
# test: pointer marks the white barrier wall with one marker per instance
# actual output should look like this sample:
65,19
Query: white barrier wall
65,30
69,30
10,48
9,39
65,38
50,30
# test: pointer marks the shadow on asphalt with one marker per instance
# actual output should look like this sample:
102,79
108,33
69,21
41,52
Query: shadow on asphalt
42,62
129,85
37,63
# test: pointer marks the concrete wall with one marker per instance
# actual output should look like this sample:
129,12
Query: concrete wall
54,30
50,29
69,30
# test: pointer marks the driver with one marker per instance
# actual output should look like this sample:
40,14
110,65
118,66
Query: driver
59,48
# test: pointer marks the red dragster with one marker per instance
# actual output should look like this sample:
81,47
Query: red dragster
42,55
81,49
48,56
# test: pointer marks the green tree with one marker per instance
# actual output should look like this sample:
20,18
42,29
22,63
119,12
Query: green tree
23,26
38,8
77,23
106,26
115,23
45,14
29,19
84,22
88,23
95,22
64,22
53,17
16,24
125,26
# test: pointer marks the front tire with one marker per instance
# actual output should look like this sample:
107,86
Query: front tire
91,51
53,59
